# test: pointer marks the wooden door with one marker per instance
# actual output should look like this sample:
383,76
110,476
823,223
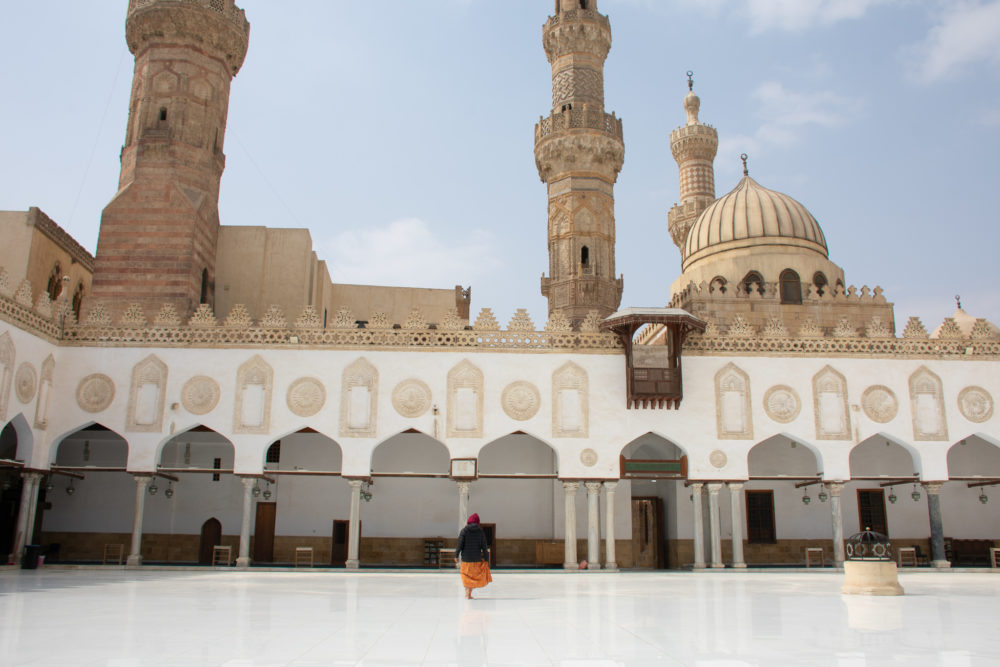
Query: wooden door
341,539
211,535
491,532
647,514
263,533
871,510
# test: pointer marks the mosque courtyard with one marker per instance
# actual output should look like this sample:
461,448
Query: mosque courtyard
118,617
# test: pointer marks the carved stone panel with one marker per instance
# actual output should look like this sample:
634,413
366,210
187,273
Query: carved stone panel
833,419
25,382
733,416
927,405
570,402
976,404
588,457
95,392
411,398
465,401
200,395
7,357
880,404
521,400
306,396
146,396
359,400
782,404
44,392
254,386
718,458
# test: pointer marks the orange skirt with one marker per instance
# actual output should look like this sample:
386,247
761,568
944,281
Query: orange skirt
476,575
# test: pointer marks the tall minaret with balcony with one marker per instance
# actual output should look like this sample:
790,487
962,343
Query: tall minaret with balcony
694,146
158,235
579,152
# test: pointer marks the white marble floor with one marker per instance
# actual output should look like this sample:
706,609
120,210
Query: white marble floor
583,619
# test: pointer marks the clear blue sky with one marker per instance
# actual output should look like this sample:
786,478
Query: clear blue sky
401,133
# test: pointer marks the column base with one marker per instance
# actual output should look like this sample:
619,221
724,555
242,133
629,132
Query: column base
739,566
612,567
941,564
134,560
353,565
593,566
243,562
699,566
571,566
718,565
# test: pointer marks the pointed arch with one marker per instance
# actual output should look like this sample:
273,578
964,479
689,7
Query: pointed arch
518,453
359,400
411,451
304,449
783,454
7,357
91,445
570,402
147,395
197,447
733,416
883,456
254,386
833,420
465,401
974,456
927,406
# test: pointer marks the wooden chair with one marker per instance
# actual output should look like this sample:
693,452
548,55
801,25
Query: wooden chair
815,553
446,554
113,552
906,556
994,557
222,555
302,554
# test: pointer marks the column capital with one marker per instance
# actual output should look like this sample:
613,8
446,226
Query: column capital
32,476
143,480
696,487
611,486
735,486
355,483
248,482
933,488
714,487
464,486
835,488
593,487
570,487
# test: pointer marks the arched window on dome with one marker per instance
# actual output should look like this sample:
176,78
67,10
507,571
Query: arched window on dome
790,287
820,282
718,284
54,286
750,279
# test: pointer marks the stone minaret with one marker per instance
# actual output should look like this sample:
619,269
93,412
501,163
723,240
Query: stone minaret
694,146
579,152
158,236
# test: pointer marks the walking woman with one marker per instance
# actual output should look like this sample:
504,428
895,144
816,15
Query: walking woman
474,554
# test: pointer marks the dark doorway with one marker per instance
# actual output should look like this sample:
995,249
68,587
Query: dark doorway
10,503
491,534
341,538
263,533
211,535
871,510
647,521
760,517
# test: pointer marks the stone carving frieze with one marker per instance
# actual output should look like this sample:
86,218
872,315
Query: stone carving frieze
379,321
880,404
486,321
167,317
254,388
465,401
521,400
415,320
306,396
452,322
733,415
344,319
359,400
133,316
146,397
98,316
950,330
570,402
274,318
411,398
976,404
200,395
239,318
521,321
309,319
95,392
914,329
203,317
927,406
878,329
833,419
782,404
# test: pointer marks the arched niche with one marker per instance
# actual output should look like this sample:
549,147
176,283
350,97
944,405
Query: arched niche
880,456
17,439
652,446
93,445
304,449
518,453
636,493
974,457
411,451
783,456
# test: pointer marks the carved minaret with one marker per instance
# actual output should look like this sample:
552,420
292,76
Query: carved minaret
158,236
694,146
579,152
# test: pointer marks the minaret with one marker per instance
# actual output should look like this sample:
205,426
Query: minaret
694,146
579,152
158,236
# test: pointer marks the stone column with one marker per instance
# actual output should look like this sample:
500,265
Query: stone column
837,518
354,528
135,553
713,521
569,540
25,521
938,558
609,526
699,527
593,526
735,493
463,504
243,560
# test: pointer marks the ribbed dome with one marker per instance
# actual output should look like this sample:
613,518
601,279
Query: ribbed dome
751,215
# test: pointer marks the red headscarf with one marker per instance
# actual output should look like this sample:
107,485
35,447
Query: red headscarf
473,519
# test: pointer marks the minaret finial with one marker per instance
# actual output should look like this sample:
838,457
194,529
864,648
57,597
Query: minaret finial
743,156
958,300
690,80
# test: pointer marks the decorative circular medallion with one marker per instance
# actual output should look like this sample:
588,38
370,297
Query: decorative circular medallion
521,400
718,458
976,404
879,403
25,382
306,396
588,457
95,392
200,395
411,398
782,404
